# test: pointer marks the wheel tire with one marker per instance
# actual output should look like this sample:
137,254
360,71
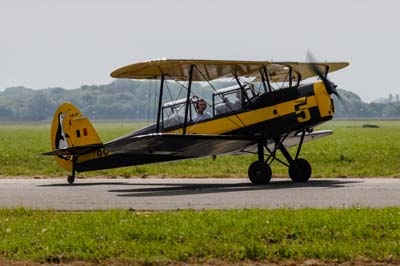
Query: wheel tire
70,179
260,173
300,171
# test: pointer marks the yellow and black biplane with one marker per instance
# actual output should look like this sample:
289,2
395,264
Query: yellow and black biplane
269,109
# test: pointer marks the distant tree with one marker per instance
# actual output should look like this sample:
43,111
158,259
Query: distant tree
89,99
137,99
57,95
6,114
39,107
17,92
391,98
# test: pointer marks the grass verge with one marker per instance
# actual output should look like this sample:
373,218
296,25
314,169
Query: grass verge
352,151
199,236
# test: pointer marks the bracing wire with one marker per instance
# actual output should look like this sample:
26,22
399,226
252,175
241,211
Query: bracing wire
183,86
155,102
180,90
215,90
169,91
148,104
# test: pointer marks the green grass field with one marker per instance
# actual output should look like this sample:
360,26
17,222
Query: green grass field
191,236
121,237
351,151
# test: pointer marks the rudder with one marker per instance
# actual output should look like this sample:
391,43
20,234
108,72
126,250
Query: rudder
70,128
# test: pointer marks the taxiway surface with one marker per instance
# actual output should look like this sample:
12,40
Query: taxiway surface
209,193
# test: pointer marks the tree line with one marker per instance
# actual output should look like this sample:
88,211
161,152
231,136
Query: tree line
138,100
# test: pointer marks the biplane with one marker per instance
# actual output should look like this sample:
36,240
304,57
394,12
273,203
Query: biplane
270,108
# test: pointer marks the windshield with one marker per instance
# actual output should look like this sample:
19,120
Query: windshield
233,99
174,113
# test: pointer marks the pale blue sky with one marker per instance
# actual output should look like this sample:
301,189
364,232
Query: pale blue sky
48,43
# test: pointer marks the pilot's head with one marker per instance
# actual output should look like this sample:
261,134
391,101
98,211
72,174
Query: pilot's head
201,105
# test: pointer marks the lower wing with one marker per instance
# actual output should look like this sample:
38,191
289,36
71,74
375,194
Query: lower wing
290,141
187,146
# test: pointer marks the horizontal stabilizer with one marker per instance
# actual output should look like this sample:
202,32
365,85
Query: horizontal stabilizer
77,150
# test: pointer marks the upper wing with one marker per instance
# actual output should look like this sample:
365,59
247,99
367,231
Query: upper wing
278,71
184,146
179,69
212,69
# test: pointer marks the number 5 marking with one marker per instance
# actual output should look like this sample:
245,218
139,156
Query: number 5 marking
302,112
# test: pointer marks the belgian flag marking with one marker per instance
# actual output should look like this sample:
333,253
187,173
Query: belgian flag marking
78,132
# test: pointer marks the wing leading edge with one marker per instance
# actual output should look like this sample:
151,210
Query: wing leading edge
178,69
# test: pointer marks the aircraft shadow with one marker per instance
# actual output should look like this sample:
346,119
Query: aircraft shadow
85,184
179,189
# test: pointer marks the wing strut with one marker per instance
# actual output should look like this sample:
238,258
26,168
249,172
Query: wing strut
265,79
241,87
188,98
326,71
290,75
160,103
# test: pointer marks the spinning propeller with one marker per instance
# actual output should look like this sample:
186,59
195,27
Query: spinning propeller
329,85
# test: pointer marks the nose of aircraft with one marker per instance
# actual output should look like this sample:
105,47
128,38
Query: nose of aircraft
331,87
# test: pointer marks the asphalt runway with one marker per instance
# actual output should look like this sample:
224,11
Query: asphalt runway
207,193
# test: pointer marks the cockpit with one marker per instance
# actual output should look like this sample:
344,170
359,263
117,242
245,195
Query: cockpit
223,102
233,99
173,113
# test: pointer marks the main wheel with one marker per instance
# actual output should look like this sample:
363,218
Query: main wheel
260,173
300,170
71,179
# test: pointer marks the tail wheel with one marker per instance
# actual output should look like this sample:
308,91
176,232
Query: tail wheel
300,170
260,173
71,179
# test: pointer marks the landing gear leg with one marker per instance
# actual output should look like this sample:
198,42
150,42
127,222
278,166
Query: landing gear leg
71,178
259,171
299,169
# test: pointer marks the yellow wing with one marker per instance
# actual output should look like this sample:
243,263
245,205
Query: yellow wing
212,69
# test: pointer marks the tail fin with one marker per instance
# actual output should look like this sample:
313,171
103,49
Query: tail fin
71,129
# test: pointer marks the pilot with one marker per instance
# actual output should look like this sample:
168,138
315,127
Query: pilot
201,114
